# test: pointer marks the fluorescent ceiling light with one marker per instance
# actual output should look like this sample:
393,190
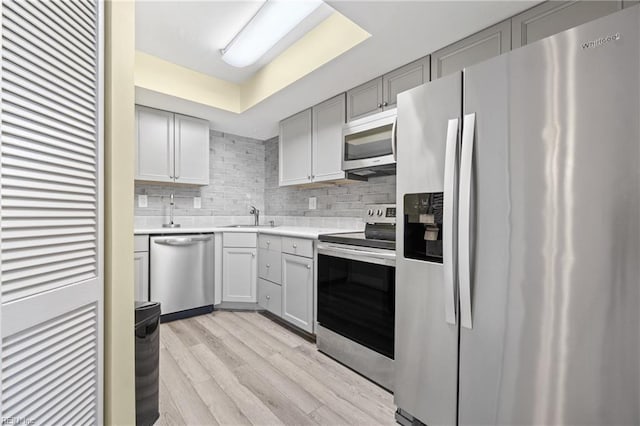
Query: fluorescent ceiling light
274,20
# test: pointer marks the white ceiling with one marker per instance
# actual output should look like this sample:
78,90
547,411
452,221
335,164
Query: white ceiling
191,33
401,32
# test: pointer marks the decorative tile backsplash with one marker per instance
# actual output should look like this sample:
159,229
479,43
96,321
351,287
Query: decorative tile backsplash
236,181
343,200
244,172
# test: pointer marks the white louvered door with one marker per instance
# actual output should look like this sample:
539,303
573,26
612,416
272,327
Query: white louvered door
50,212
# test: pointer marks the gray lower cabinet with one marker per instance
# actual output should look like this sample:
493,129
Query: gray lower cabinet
239,267
270,296
286,279
552,17
479,47
141,268
297,291
239,274
269,265
380,94
141,280
269,273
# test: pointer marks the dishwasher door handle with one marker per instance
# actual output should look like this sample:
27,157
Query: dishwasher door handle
181,241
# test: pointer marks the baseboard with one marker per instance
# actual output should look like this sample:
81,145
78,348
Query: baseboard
173,316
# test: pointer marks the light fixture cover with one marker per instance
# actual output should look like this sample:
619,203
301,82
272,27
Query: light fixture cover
274,20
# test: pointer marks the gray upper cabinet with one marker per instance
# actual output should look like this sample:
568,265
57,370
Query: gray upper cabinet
365,99
380,94
479,47
154,147
310,146
191,150
328,118
404,78
553,17
171,148
295,149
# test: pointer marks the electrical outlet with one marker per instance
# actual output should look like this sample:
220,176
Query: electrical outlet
197,202
313,203
143,201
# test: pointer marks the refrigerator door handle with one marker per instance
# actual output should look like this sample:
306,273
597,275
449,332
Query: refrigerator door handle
450,181
464,219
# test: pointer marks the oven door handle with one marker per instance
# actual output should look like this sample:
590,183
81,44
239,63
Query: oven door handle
356,254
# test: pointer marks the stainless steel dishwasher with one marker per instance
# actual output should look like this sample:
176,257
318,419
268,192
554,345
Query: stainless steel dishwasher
181,274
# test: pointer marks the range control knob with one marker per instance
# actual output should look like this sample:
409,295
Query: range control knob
379,212
370,212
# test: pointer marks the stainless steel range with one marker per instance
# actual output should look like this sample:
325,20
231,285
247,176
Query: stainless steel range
356,295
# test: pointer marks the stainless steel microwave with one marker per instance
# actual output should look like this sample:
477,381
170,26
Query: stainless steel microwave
369,142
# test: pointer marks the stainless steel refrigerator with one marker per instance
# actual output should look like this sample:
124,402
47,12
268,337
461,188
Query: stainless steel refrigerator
518,236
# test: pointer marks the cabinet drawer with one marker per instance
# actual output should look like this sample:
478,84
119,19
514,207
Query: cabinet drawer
269,266
297,246
239,239
141,243
270,242
270,296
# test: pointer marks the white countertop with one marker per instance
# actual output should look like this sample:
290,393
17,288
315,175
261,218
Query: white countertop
286,231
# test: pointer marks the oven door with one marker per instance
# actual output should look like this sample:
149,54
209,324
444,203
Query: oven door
356,294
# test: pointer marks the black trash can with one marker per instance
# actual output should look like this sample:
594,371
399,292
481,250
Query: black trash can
147,331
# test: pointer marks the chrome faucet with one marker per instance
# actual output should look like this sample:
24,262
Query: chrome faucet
256,214
171,224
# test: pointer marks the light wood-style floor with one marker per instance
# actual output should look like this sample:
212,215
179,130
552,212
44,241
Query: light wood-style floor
240,368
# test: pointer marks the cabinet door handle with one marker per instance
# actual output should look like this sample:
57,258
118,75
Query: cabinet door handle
308,266
385,103
308,177
268,297
177,153
253,255
379,105
268,242
169,157
295,246
268,266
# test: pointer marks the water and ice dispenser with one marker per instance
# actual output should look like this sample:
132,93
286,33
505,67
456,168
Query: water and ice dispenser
423,226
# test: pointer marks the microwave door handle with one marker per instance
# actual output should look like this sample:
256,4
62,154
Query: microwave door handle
464,219
394,138
448,237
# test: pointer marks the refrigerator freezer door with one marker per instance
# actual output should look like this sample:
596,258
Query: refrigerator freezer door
556,239
426,356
